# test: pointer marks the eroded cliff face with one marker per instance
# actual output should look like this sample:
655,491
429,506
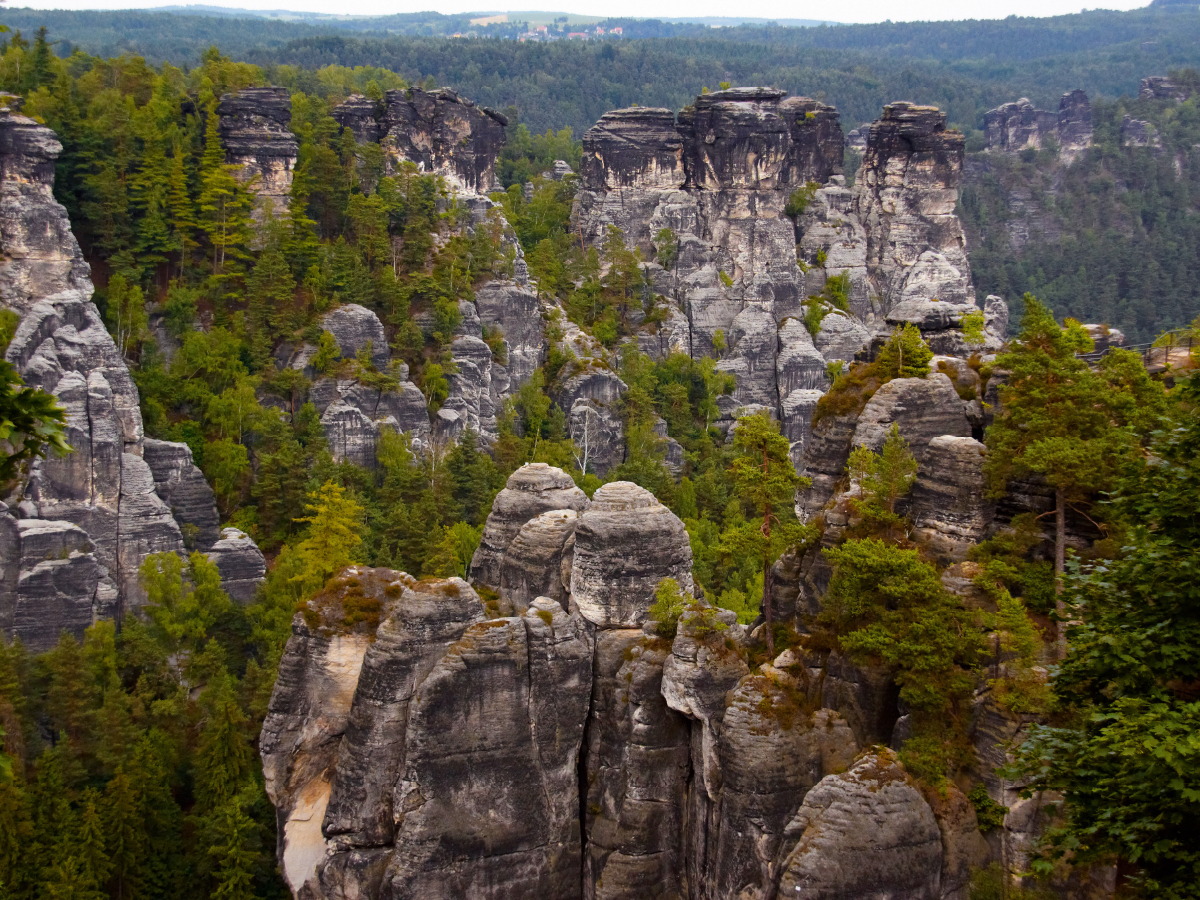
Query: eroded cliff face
439,746
720,176
255,130
82,524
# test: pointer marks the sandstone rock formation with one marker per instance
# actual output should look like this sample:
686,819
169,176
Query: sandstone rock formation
240,563
421,743
100,507
867,833
255,129
626,542
1160,87
1017,126
440,132
533,489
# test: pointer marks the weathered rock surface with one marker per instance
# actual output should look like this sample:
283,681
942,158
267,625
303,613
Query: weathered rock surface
626,542
637,769
1160,87
923,408
866,833
255,129
182,487
104,490
505,706
444,134
538,561
356,329
533,489
1017,126
949,508
240,562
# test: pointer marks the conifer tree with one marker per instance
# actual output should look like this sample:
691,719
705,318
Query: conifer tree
223,754
225,205
182,210
233,853
333,535
1062,422
125,836
767,482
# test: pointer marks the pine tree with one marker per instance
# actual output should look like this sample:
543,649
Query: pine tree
1062,422
883,478
270,299
767,482
233,853
225,205
182,210
89,849
125,836
223,754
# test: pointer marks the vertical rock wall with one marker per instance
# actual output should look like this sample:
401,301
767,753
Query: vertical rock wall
256,131
84,522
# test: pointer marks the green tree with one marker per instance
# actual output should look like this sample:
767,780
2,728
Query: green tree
225,205
1063,422
31,423
883,478
334,520
887,606
222,754
905,355
1126,757
453,553
766,481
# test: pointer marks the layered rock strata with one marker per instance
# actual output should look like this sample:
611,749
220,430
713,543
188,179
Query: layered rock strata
571,751
86,521
1018,126
256,131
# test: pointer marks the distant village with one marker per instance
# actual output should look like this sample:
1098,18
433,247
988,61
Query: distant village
559,31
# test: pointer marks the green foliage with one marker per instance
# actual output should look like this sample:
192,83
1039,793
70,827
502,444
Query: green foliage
31,424
1127,758
669,604
183,603
905,355
333,536
800,198
726,278
453,553
1063,422
988,813
972,328
666,245
888,607
883,478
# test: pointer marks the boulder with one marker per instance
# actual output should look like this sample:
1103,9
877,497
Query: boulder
56,587
240,563
867,833
626,542
538,561
533,489
924,408
356,328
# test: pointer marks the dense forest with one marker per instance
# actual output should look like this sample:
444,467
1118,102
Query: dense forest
120,777
964,67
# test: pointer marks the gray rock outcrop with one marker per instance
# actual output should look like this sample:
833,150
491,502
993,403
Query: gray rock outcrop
240,563
256,130
1019,126
949,510
533,489
626,542
358,330
182,487
866,833
104,488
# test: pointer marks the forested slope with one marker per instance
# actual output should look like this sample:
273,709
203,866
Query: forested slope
965,68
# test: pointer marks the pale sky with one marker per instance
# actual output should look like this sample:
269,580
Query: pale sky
842,11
